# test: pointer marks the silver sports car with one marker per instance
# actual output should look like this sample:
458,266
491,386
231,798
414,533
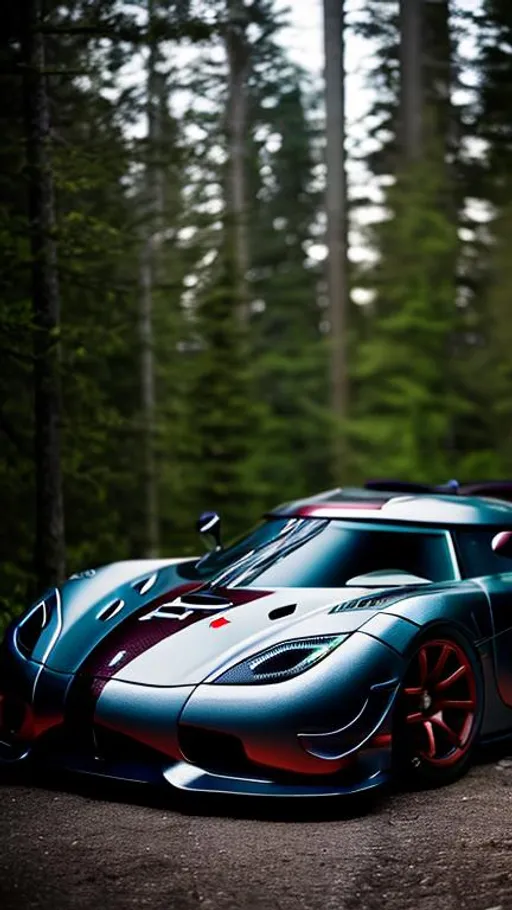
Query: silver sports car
349,636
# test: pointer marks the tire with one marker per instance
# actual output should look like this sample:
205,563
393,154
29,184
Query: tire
439,709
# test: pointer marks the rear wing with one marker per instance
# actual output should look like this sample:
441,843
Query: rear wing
496,489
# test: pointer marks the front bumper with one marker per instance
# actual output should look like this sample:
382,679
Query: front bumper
368,771
309,736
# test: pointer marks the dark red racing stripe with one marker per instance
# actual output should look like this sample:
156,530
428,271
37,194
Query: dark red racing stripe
133,637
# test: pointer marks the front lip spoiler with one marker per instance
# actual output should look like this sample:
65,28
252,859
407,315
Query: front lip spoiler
187,777
183,776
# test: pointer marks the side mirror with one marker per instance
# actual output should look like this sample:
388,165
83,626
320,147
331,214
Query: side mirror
502,544
208,526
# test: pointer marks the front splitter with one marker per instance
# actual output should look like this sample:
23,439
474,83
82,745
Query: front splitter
184,776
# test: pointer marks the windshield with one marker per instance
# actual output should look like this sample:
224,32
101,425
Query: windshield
264,533
328,554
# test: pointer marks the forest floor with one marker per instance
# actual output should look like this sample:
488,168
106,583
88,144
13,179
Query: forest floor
75,846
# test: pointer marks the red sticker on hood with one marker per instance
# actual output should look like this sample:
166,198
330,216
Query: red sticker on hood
218,623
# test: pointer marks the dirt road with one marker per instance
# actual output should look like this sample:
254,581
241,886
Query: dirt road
93,848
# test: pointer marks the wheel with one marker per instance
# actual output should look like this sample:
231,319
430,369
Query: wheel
439,710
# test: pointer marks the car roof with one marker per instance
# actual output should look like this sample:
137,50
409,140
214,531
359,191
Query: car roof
416,509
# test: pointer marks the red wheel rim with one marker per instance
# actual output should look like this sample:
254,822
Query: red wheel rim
439,703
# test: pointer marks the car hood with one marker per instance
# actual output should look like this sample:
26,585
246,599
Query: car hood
181,636
165,640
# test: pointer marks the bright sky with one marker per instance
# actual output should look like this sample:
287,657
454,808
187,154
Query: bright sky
305,43
304,40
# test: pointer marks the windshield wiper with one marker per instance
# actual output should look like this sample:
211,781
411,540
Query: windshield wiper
285,531
237,573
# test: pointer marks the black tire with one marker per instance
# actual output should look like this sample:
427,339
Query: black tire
433,744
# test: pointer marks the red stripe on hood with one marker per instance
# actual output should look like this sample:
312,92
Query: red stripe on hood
130,636
135,637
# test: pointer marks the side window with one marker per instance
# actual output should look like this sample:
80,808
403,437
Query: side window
478,557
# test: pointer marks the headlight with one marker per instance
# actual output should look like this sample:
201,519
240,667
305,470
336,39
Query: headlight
35,622
282,661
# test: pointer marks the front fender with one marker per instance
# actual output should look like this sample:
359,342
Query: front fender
268,719
83,601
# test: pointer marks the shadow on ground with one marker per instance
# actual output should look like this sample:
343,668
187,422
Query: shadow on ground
298,809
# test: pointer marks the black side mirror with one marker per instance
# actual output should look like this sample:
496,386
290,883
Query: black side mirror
209,527
502,544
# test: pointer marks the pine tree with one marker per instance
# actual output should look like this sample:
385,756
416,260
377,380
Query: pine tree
337,221
50,540
406,382
404,385
291,352
495,96
224,420
486,312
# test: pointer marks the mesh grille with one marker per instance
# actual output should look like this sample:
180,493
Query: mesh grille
376,602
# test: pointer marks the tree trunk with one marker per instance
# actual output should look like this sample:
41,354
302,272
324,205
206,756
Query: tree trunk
438,76
238,54
411,63
154,201
147,374
334,23
50,539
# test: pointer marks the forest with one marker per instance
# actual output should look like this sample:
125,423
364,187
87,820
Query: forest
170,339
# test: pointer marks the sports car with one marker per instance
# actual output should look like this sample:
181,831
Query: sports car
352,637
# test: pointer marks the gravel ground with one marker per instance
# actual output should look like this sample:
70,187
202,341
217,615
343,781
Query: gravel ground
67,845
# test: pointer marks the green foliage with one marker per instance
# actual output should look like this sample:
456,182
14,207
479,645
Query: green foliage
431,383
403,376
232,432
491,364
223,429
241,417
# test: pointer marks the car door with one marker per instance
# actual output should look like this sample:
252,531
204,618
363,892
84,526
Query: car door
494,573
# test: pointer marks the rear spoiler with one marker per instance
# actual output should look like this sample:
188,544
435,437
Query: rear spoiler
496,489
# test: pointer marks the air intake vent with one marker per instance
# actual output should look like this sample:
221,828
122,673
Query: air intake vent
145,584
111,610
281,612
368,603
30,629
206,600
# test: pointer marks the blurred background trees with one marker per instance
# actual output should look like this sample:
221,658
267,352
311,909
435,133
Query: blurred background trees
168,341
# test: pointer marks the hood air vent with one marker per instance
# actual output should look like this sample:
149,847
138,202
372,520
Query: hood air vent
111,610
205,600
145,584
281,612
